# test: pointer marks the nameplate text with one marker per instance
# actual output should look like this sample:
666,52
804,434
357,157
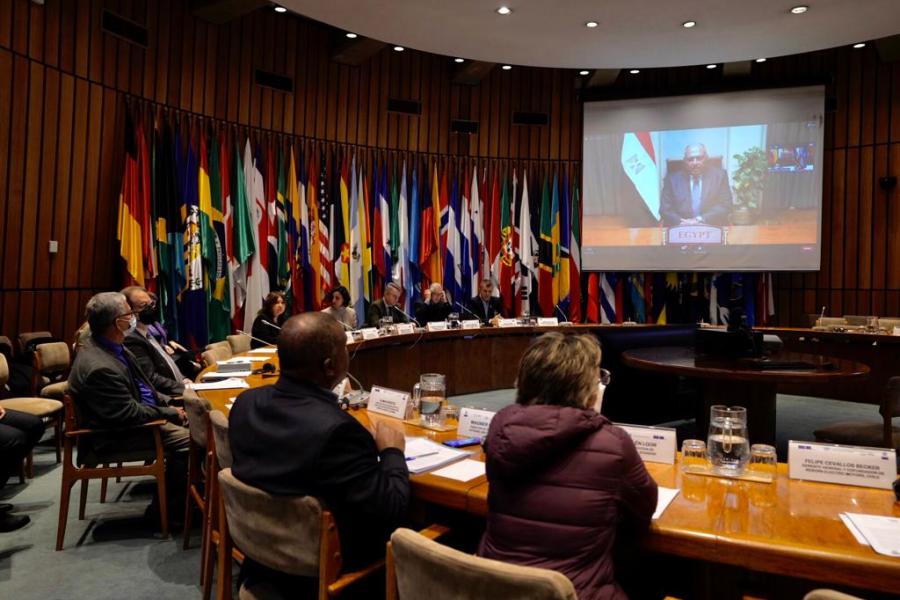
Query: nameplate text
405,328
436,326
388,402
547,321
470,324
847,465
654,444
474,422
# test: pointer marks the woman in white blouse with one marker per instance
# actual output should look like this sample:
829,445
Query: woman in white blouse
340,298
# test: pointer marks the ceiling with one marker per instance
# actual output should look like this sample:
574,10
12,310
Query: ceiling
631,33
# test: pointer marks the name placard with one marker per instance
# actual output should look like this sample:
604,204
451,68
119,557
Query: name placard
350,339
847,465
508,323
388,402
547,321
654,444
694,234
474,422
436,326
369,333
404,328
470,324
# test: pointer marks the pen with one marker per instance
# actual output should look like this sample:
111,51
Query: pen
421,456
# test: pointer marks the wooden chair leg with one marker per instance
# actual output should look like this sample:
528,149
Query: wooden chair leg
118,478
188,497
206,525
103,485
208,566
63,510
83,501
163,501
223,587
57,436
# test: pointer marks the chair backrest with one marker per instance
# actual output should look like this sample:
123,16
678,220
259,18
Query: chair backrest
239,343
856,320
197,410
280,532
215,354
887,323
427,569
29,337
832,321
224,345
6,347
52,358
890,402
824,594
4,372
219,423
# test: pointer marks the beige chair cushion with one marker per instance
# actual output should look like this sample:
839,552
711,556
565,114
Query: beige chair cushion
4,372
213,355
219,423
39,407
54,356
239,343
829,595
197,409
55,390
24,338
856,433
427,569
280,532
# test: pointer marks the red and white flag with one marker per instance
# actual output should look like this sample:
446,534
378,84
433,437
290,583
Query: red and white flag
639,163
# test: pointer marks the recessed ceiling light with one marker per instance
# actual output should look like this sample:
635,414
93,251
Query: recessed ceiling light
507,67
689,24
459,60
591,24
634,71
504,10
280,9
351,35
584,72
760,60
399,48
860,45
711,66
799,10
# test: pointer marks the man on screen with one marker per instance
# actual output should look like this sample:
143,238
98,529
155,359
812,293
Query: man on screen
698,194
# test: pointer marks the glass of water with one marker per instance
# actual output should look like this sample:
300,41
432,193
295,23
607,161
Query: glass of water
693,455
763,460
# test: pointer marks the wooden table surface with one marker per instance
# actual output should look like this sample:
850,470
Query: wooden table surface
789,527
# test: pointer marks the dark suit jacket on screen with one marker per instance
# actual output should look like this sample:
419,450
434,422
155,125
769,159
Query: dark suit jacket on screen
292,438
715,197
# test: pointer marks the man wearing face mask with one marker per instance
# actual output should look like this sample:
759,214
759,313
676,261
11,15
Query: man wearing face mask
151,357
112,391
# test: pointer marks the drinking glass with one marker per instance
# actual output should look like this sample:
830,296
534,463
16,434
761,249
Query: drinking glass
430,394
386,325
453,320
872,324
726,445
763,460
450,415
693,455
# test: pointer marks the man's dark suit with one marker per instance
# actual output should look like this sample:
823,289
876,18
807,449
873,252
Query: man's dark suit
292,438
379,310
153,364
494,308
715,198
426,312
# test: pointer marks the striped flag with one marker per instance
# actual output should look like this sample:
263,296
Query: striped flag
575,258
565,233
545,251
527,247
453,268
402,274
357,287
324,211
639,163
257,277
135,246
609,301
477,239
465,243
415,237
212,241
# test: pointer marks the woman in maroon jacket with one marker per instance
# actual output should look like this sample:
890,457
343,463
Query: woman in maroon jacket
562,477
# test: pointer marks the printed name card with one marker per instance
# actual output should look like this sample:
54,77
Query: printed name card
436,326
474,422
470,324
369,333
388,402
547,321
896,329
847,465
654,444
508,323
350,339
404,328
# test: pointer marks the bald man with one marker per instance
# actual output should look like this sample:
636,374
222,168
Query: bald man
292,438
698,194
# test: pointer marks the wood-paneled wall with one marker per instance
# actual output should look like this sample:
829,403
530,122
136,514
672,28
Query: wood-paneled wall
61,116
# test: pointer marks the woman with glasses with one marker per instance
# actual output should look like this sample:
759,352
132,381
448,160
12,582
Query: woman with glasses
563,479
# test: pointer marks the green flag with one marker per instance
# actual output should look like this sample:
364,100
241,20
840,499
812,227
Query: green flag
218,312
243,246
284,263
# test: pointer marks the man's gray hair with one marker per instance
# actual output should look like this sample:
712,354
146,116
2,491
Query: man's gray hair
393,285
435,287
103,309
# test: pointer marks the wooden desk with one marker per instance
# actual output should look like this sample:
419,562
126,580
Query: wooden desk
732,382
789,527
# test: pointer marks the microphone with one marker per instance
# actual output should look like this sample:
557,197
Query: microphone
255,338
565,320
273,325
344,325
463,306
406,314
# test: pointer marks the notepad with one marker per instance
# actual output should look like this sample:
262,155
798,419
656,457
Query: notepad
264,350
424,455
882,533
229,375
464,470
663,499
240,360
225,384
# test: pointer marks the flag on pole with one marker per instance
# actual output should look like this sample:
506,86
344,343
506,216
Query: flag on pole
636,295
477,239
212,241
326,213
565,233
639,163
415,236
133,231
592,312
243,240
609,300
453,269
298,238
526,248
167,219
505,259
281,233
357,289
555,239
575,258
257,276
341,230
365,233
402,273
545,251
381,231
193,296
465,243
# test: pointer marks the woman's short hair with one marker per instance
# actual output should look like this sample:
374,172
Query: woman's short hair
269,302
559,369
345,295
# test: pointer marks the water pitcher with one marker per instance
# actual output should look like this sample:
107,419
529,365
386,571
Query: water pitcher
429,395
727,446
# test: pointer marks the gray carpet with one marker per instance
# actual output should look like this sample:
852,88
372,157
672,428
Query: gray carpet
113,554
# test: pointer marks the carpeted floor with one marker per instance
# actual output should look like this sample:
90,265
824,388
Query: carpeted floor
113,554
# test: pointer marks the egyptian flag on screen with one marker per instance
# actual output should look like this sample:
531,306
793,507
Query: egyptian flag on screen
639,163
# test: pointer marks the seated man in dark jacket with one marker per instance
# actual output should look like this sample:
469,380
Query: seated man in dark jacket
292,438
111,391
151,357
435,308
485,305
387,307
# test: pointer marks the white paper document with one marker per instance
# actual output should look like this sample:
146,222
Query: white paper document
230,403
464,470
264,350
882,533
853,530
229,375
240,360
424,455
225,384
663,499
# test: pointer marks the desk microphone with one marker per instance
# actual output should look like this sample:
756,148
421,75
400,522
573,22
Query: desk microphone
822,316
462,306
345,326
406,314
273,325
565,320
255,338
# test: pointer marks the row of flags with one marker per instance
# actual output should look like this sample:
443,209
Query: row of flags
213,220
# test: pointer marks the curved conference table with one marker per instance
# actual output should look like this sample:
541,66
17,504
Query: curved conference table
788,527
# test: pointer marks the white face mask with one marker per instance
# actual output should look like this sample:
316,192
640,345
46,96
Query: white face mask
132,325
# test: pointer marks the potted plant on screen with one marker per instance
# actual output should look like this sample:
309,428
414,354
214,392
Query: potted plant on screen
749,181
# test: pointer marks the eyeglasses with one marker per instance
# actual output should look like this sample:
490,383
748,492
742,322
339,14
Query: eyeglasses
605,377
